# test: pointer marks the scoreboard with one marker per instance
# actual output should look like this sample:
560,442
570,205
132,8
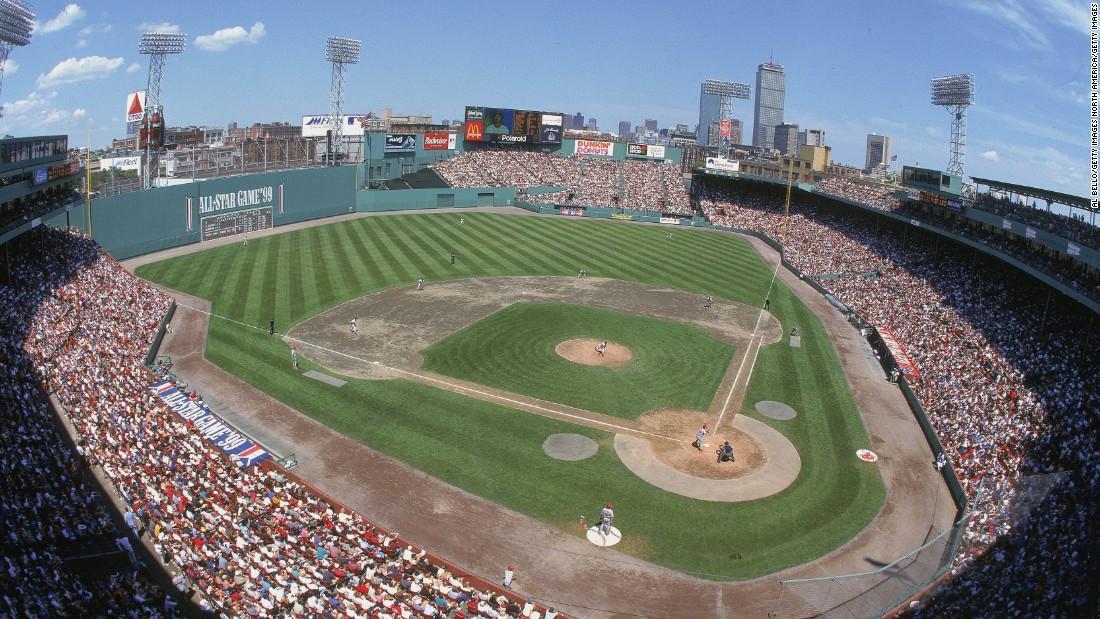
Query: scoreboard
237,222
508,126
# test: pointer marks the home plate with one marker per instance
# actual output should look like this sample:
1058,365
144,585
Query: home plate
599,539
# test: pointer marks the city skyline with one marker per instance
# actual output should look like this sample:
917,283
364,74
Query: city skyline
249,62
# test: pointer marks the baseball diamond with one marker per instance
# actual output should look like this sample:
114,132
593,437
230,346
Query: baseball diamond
429,422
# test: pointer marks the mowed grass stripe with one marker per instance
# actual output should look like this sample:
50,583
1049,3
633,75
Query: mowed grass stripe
536,255
403,235
397,273
570,252
499,454
516,257
364,258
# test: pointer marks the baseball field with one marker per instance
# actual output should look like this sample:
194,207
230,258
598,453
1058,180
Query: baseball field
465,380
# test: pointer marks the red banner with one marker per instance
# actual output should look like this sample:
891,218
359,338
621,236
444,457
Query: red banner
474,129
436,141
723,128
900,356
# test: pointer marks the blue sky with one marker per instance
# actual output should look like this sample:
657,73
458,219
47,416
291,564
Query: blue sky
852,68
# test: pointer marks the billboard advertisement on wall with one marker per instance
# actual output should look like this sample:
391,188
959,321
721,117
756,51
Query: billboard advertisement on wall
550,129
317,126
723,165
400,142
592,147
439,141
654,151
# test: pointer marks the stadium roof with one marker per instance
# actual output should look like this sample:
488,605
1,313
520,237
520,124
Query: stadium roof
1034,192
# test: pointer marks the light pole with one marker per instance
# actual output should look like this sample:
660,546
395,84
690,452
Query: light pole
156,45
339,51
955,93
16,24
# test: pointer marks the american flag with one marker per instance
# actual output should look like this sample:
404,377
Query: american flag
893,157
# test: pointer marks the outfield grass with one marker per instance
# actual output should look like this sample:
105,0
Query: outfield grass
296,275
673,365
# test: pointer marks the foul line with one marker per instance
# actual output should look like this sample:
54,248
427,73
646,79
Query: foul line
754,339
425,378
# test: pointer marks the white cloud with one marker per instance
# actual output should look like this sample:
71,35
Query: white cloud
1032,19
990,155
72,71
164,27
133,68
67,17
10,66
227,37
79,114
1073,15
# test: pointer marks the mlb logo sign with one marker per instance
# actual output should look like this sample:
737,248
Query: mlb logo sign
474,130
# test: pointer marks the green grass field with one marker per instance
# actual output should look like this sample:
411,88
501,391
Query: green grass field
468,442
674,365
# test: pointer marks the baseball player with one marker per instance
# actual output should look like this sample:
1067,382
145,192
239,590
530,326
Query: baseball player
699,437
354,325
607,516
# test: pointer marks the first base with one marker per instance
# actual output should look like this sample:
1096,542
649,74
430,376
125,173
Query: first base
599,539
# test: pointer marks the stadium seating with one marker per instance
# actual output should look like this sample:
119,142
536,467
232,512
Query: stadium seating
248,542
1015,408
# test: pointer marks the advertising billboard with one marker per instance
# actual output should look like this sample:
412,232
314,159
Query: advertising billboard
120,163
724,128
591,147
317,126
439,141
645,150
508,126
550,129
723,165
400,142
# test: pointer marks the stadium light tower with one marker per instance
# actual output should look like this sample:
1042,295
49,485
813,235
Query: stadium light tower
16,23
955,92
726,93
339,51
156,45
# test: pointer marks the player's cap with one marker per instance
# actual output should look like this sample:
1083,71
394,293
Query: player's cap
704,425
609,505
509,567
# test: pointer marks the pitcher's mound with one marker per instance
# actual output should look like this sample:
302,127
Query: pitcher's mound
584,351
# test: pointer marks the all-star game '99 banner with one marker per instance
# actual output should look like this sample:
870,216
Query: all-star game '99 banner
234,444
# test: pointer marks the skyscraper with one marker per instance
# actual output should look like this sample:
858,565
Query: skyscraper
624,129
878,151
651,124
786,138
771,90
710,110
